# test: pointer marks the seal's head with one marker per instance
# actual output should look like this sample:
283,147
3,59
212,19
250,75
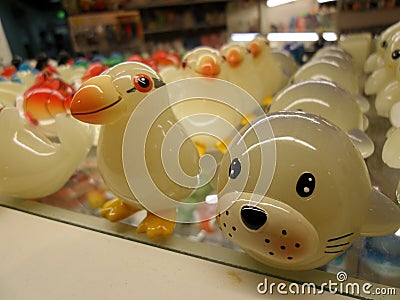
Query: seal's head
297,198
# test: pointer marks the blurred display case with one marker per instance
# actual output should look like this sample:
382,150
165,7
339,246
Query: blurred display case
135,26
106,32
368,15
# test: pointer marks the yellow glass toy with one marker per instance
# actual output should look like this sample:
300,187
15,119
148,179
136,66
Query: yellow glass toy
300,195
33,166
110,99
267,67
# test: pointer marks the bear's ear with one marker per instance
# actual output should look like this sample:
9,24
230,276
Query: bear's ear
362,142
383,217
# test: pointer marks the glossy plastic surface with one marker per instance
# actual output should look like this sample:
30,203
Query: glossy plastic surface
390,93
266,67
375,59
358,45
211,110
329,69
9,92
33,166
238,68
286,61
391,149
252,66
330,101
202,61
110,99
46,98
378,80
320,189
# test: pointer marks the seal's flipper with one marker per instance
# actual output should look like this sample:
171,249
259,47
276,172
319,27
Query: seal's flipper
383,217
362,142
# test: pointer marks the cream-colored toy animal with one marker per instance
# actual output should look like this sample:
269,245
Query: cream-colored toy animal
339,71
375,60
207,63
358,45
390,93
110,99
380,78
286,61
238,68
71,75
266,67
329,69
32,166
9,92
319,201
202,62
330,101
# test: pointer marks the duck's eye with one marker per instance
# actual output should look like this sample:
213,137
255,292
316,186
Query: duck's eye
305,185
143,83
396,54
235,168
384,44
184,64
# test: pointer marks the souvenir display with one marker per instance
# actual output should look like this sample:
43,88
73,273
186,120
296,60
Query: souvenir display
279,150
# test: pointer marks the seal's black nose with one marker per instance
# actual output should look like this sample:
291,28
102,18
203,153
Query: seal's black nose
253,217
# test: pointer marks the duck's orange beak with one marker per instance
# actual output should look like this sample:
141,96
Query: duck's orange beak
97,101
208,67
234,57
254,49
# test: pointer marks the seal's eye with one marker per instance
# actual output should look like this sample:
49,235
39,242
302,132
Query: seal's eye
396,54
143,83
305,185
184,64
235,168
384,45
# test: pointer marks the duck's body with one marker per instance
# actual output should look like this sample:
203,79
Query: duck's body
267,68
111,99
31,165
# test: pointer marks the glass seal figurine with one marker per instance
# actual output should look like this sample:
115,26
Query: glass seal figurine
319,198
